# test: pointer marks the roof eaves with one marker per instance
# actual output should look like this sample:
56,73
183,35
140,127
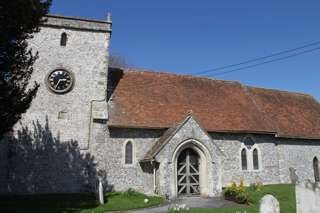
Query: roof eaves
284,136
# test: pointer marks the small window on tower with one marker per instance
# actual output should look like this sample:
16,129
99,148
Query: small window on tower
63,39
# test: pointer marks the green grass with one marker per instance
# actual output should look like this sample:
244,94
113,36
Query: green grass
285,194
80,203
86,203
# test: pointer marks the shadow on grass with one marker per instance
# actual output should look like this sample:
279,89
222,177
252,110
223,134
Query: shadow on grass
39,164
56,203
71,203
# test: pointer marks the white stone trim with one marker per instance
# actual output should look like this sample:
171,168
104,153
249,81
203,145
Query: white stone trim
250,166
133,153
205,158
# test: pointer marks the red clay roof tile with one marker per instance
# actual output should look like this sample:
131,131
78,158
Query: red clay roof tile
161,100
293,115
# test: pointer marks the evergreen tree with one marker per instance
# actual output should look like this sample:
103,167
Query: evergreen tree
19,20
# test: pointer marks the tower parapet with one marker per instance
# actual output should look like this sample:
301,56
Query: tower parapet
78,23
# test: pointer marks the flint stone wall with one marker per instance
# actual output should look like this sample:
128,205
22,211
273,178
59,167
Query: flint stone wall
273,152
50,149
297,154
232,144
85,56
109,156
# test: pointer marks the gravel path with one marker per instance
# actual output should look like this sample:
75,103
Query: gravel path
191,202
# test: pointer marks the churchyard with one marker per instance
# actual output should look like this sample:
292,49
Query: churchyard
116,201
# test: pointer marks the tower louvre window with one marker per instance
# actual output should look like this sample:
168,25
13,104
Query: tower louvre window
63,39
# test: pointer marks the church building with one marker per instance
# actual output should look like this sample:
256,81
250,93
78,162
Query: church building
158,133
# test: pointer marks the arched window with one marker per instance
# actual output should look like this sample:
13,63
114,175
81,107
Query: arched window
128,153
244,162
255,158
63,39
316,169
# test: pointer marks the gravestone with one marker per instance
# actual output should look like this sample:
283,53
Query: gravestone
269,204
100,191
308,197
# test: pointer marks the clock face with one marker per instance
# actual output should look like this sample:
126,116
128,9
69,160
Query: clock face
60,81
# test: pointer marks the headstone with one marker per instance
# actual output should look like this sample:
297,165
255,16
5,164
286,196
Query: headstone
308,197
101,199
293,175
269,204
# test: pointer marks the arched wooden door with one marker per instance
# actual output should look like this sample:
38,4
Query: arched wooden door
316,169
188,175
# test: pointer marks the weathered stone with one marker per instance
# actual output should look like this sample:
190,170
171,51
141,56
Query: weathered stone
35,167
293,176
269,204
308,197
78,23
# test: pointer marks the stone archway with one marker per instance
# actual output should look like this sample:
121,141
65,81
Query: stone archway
188,172
191,169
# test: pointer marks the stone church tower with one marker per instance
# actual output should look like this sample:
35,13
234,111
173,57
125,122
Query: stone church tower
69,111
75,49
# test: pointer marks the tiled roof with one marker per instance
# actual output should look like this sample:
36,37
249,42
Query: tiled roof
293,115
159,144
140,99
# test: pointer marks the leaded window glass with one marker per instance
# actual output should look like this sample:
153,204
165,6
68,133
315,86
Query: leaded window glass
244,162
248,142
255,158
316,169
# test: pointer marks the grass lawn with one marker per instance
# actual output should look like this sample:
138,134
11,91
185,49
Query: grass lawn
86,203
285,194
82,203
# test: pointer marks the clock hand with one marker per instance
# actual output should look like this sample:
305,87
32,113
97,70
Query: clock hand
57,83
60,80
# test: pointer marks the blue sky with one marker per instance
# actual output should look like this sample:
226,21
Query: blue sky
189,36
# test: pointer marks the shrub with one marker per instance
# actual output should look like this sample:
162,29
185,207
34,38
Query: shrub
236,193
256,187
